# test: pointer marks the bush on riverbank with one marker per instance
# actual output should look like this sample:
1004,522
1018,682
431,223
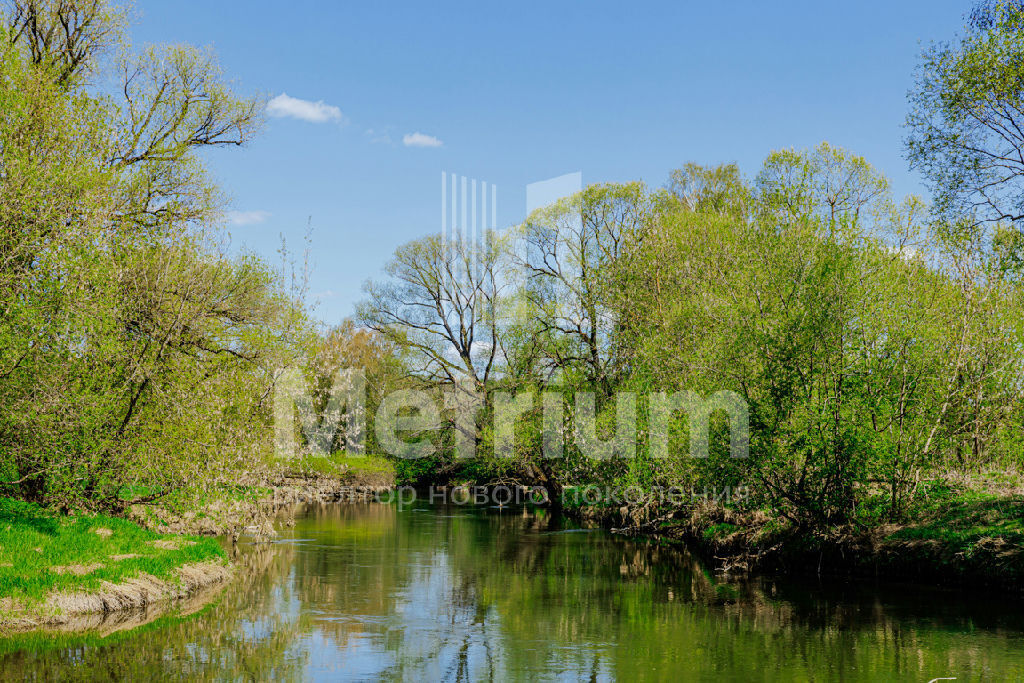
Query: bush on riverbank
955,537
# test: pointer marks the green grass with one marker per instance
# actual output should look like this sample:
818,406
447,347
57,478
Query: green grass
720,530
965,522
35,543
970,534
357,468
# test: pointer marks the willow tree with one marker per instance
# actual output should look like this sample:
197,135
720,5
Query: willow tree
134,352
966,135
441,300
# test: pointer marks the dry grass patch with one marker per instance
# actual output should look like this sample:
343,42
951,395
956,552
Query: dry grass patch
171,543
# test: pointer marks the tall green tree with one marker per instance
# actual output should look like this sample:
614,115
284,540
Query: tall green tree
966,114
136,357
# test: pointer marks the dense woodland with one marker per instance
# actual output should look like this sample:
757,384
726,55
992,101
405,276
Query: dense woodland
876,340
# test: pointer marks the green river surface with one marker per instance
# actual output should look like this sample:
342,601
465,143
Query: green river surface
424,593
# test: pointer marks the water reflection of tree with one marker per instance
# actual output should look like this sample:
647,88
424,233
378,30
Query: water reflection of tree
369,592
590,604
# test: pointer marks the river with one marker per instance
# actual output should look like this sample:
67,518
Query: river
424,593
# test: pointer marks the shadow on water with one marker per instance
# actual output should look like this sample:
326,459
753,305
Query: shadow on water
370,591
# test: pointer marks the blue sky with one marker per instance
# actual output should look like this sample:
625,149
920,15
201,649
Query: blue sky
522,92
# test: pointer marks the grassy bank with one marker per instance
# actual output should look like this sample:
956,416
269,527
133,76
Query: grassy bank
249,504
53,565
44,554
351,470
952,537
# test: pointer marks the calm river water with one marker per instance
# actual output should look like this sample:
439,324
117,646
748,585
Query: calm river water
368,592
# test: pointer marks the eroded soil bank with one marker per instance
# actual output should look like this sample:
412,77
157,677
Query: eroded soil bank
116,606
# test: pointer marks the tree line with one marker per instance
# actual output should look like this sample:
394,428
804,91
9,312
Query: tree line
876,340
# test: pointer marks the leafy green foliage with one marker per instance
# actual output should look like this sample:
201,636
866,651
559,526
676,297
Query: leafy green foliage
964,119
873,345
133,351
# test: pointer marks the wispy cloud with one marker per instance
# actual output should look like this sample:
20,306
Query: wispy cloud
285,106
247,217
380,136
420,140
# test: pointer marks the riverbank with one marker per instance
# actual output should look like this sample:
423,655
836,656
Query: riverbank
55,567
958,534
950,539
250,505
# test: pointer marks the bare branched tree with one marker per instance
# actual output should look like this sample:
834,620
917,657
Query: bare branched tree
442,301
569,257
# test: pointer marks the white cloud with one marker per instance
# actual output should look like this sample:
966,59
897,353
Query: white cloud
420,140
284,106
247,217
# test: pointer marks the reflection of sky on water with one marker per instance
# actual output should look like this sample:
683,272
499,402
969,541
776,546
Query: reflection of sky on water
434,630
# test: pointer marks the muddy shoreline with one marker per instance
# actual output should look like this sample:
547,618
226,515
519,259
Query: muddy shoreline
121,605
